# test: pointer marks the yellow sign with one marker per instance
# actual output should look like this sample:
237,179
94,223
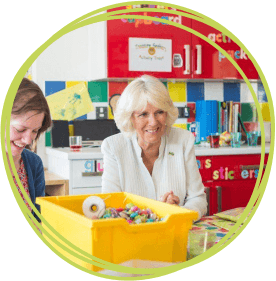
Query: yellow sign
70,103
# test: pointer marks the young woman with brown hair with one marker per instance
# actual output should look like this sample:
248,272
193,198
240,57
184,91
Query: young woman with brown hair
30,117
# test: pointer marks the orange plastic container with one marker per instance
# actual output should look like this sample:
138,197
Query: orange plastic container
114,240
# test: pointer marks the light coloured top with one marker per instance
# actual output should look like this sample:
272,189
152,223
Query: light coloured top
175,169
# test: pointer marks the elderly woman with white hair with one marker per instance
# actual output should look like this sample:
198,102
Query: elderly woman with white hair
149,157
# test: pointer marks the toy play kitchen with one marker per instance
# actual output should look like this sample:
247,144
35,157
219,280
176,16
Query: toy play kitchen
179,54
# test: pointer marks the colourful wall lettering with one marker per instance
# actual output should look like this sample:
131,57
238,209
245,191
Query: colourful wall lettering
239,55
138,22
223,174
250,174
219,38
149,6
99,165
89,166
198,164
208,163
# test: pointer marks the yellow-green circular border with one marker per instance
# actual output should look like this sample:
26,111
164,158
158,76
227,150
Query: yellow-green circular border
92,18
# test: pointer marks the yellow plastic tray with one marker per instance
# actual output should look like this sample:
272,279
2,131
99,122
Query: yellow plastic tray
114,240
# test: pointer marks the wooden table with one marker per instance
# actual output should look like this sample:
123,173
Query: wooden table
56,185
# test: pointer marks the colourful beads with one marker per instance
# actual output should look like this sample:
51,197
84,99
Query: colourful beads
134,209
143,218
138,221
129,205
132,214
144,212
124,215
153,216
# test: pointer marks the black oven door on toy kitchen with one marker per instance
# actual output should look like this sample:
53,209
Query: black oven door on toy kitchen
94,130
60,133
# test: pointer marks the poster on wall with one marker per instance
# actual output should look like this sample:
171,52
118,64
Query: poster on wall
70,103
148,54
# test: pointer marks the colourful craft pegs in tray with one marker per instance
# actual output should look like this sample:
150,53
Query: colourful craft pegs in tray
132,214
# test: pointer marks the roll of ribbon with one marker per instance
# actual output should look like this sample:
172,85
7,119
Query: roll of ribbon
93,206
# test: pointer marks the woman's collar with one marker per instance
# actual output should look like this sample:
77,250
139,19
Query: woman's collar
138,149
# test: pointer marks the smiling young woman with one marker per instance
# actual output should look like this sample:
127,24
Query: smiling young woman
30,117
23,132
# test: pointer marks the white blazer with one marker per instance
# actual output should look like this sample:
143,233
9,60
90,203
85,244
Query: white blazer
175,169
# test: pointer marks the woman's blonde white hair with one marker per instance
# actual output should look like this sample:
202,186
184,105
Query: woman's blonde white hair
141,91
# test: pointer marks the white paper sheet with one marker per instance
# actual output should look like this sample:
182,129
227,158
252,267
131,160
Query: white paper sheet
149,54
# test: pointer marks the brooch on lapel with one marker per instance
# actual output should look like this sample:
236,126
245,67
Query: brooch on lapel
171,153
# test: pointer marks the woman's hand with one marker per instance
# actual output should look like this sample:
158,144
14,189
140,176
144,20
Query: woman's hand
170,198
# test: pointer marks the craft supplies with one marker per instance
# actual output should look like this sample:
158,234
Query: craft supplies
134,215
114,239
93,206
